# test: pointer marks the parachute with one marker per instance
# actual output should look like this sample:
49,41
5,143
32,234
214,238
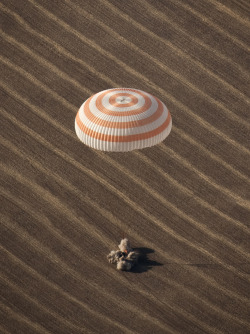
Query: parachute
122,119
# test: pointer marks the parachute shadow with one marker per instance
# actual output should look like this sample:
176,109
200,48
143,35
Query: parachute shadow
144,263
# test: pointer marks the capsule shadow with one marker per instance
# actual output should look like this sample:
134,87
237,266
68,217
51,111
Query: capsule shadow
144,263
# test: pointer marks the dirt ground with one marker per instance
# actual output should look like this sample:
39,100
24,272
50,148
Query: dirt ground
184,204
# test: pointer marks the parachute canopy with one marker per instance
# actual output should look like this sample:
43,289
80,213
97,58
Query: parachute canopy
122,119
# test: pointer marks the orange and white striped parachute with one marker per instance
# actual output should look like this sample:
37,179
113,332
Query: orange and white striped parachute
122,119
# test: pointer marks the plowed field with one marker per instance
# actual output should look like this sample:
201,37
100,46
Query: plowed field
183,203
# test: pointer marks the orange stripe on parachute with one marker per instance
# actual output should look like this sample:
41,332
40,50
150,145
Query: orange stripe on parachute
104,110
112,100
128,138
122,125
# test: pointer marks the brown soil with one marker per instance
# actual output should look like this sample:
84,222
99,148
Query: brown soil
184,204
